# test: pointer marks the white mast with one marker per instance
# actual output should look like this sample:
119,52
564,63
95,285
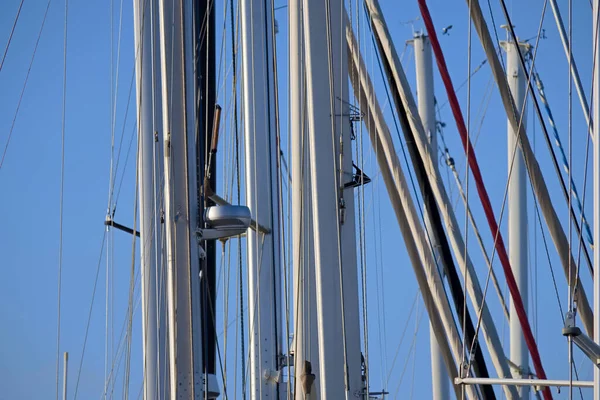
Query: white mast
517,213
332,207
596,177
426,105
154,320
306,349
262,198
180,192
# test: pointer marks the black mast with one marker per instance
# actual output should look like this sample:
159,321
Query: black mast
204,46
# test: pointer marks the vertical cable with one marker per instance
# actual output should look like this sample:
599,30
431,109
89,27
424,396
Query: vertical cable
61,201
570,133
468,153
12,31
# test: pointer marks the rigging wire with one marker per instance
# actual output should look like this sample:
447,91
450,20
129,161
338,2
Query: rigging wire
61,201
12,126
411,350
467,80
412,308
565,163
589,127
570,140
466,226
131,289
89,319
234,32
12,31
451,166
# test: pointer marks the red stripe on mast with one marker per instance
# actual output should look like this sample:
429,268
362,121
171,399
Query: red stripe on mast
483,195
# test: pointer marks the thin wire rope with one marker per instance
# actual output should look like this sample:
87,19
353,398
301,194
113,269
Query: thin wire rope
476,231
87,328
131,288
463,83
412,308
234,35
12,126
589,127
10,36
466,226
61,200
411,350
566,166
570,136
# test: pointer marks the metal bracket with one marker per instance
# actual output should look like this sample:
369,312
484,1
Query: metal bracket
109,222
358,178
590,348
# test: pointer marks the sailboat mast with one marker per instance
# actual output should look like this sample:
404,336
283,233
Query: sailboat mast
517,211
306,349
204,56
149,106
426,106
332,205
262,197
180,199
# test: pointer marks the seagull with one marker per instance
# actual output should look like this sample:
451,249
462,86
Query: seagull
446,29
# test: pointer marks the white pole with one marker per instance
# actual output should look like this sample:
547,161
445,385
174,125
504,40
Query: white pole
306,349
596,177
180,203
150,166
426,105
517,213
263,257
523,382
333,218
65,374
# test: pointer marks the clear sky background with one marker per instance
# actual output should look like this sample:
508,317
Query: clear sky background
30,192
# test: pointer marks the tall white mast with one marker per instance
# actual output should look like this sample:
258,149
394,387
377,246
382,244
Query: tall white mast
332,206
426,105
180,193
264,266
596,177
517,213
154,315
306,348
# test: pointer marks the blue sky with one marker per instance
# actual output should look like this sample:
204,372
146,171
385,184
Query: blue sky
30,182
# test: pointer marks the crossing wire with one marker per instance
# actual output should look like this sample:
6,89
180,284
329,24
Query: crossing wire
12,31
37,42
565,163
